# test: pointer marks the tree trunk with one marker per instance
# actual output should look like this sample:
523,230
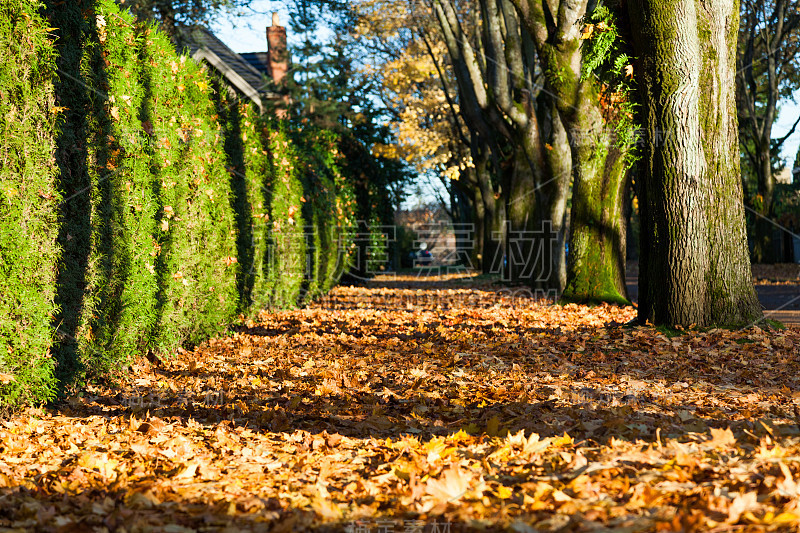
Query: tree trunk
694,267
467,217
596,261
496,88
494,237
493,215
767,46
522,238
552,196
763,246
479,228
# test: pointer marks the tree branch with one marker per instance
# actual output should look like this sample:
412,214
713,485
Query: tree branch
779,141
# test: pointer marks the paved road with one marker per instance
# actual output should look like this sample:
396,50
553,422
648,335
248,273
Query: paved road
781,301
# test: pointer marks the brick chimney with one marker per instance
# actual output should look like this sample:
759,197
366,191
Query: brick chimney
277,52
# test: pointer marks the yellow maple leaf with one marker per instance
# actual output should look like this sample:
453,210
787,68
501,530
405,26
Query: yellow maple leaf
451,486
720,438
504,492
323,506
98,462
742,504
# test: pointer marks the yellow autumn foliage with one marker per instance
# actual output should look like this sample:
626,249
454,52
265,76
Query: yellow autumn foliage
426,126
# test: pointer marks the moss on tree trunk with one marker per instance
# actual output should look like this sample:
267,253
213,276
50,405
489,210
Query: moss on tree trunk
596,261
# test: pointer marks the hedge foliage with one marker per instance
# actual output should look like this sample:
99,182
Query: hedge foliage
196,242
110,298
182,206
28,204
295,211
329,196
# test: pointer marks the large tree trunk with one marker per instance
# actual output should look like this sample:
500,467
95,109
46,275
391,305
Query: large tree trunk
596,262
694,267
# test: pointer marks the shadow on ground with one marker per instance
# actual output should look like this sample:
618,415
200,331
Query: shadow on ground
408,414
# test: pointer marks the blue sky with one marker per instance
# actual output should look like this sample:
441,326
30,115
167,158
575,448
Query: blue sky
248,34
789,113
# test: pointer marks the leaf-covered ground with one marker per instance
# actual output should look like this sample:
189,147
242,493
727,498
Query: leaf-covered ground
425,405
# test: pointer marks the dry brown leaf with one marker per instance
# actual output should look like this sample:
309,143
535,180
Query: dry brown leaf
392,399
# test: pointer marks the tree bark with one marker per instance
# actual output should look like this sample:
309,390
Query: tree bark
520,205
479,227
553,194
467,217
596,262
694,266
493,216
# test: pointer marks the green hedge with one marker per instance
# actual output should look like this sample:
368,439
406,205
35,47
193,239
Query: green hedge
196,228
116,288
370,177
286,253
181,205
330,198
28,204
294,208
160,236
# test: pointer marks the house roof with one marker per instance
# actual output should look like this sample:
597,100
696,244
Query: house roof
259,61
204,45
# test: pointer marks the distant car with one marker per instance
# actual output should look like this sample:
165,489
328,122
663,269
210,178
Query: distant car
424,258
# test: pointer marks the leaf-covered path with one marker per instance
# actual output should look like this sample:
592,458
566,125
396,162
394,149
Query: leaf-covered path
425,405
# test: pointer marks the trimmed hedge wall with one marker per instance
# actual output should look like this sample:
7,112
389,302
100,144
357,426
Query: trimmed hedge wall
329,197
28,204
182,206
110,298
285,266
196,242
295,210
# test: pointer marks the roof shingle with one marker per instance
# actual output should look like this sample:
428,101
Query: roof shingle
198,37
